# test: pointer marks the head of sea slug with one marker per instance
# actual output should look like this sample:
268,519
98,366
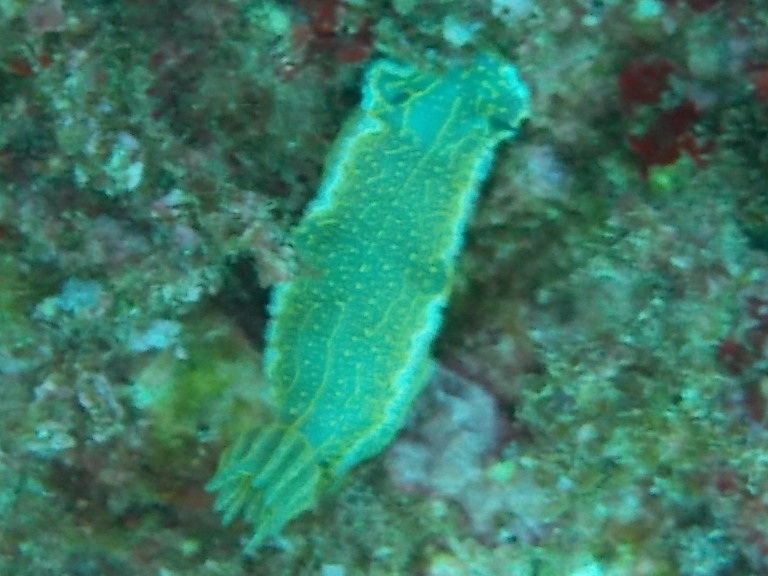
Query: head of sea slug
484,96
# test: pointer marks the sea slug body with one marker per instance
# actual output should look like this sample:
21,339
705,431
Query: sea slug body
348,343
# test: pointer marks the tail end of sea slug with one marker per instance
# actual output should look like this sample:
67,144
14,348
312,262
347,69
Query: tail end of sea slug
269,476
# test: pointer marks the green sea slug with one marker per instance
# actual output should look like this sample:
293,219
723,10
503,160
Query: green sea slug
348,343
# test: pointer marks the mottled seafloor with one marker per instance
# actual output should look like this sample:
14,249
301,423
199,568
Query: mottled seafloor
601,406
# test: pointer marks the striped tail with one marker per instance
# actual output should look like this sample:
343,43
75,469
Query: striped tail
270,476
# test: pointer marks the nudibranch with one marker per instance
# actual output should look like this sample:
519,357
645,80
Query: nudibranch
349,336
